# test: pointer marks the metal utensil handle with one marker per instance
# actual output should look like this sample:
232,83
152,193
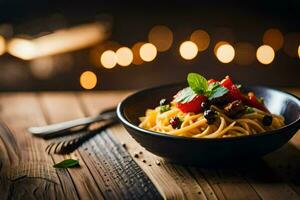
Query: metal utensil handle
59,127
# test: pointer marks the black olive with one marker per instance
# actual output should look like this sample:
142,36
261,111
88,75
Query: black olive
175,122
210,116
163,102
267,120
205,105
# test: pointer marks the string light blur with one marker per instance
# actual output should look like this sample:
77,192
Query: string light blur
22,48
201,39
88,80
137,60
273,38
108,59
244,53
148,52
225,53
299,51
2,45
188,50
124,56
265,54
161,37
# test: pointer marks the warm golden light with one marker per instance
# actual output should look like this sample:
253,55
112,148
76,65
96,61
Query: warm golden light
42,68
265,54
188,50
148,52
273,38
244,53
124,56
108,59
225,53
299,51
161,37
201,39
60,41
88,80
137,60
2,45
22,48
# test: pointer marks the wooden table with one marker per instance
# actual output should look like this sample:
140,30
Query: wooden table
114,166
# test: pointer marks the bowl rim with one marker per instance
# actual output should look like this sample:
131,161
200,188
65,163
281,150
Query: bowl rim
120,113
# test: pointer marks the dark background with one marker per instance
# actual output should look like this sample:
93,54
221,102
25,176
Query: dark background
131,22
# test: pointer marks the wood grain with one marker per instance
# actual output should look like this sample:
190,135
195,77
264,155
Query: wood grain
107,169
111,162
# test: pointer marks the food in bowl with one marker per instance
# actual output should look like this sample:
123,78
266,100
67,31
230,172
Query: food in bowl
211,109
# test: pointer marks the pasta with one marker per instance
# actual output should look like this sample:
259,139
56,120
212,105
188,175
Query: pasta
211,109
195,125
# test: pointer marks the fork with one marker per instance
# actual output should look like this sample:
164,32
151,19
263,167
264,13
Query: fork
65,146
68,127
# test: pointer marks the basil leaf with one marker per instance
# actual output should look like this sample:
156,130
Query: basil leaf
217,92
197,82
213,86
185,95
66,164
249,110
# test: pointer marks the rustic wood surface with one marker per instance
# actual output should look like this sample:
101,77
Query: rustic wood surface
114,166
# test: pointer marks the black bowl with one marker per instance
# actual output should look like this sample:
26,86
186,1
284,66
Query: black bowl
202,151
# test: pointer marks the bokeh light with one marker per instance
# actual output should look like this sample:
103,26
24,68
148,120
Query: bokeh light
273,38
161,36
88,80
108,59
299,51
148,52
218,45
96,52
265,54
2,45
188,50
42,68
244,53
124,56
137,60
225,53
201,39
22,48
291,43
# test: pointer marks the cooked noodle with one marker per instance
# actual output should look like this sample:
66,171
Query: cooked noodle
195,125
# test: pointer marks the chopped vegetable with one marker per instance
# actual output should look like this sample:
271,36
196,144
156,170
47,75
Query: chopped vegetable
165,108
210,116
267,120
175,122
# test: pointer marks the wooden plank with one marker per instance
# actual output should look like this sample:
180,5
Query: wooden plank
59,107
32,175
106,165
173,182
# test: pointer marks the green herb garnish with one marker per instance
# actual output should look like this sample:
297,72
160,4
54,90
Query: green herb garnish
249,110
198,85
164,108
66,164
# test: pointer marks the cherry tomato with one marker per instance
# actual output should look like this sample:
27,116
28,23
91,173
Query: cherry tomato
234,91
253,101
192,106
211,81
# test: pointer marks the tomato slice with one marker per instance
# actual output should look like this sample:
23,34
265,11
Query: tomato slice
253,101
192,106
234,91
211,81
